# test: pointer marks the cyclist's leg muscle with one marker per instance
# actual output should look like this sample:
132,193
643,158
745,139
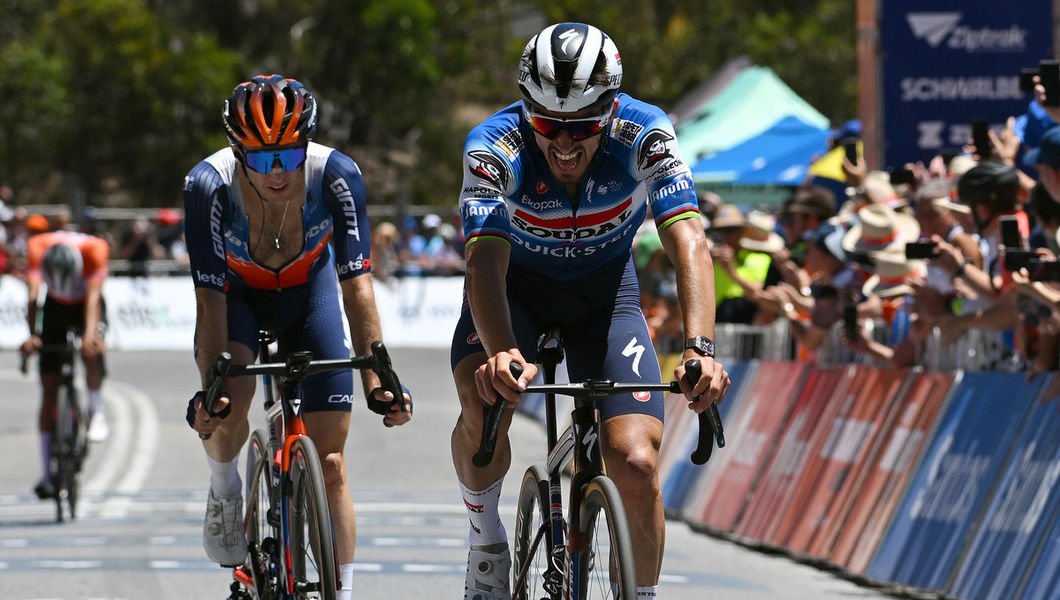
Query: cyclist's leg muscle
630,446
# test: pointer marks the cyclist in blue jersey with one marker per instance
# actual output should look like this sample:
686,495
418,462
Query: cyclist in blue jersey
555,187
275,226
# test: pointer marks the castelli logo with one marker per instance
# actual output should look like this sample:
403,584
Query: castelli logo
541,187
642,396
473,338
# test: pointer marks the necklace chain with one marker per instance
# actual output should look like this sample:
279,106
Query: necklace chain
283,219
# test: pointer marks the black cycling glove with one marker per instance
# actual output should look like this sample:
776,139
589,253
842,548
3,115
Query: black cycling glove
381,406
199,397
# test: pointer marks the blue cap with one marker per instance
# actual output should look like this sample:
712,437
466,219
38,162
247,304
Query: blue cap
1048,153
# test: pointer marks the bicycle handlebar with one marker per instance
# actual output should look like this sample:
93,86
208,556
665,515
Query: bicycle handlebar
23,364
710,428
301,365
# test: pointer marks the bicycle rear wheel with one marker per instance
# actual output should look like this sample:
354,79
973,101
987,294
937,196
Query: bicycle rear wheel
262,561
312,542
602,556
533,541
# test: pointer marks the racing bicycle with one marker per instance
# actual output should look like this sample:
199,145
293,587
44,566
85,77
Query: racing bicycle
586,554
290,541
69,445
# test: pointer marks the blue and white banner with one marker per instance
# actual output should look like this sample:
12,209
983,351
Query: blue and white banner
945,63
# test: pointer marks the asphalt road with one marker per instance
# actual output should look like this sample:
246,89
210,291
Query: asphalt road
139,529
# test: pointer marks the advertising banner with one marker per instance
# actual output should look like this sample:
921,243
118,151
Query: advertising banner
953,484
750,434
946,63
890,472
1019,513
839,456
826,390
677,474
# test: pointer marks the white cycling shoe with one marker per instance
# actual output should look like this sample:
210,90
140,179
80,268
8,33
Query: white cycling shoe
223,537
98,430
488,573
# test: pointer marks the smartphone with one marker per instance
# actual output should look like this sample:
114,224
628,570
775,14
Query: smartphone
920,250
900,176
1010,232
1044,270
981,138
850,321
1027,80
850,147
1049,73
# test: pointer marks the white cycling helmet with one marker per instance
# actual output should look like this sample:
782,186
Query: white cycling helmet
62,267
569,67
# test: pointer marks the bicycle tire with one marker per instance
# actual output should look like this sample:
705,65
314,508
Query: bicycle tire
64,455
533,517
593,577
312,542
262,536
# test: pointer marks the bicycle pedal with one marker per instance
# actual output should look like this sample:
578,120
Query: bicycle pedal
272,515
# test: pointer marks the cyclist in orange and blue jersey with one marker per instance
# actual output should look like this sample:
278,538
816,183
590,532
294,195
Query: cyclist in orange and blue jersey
72,266
555,187
275,226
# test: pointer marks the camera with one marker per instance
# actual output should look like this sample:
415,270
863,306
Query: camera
1044,270
900,176
921,250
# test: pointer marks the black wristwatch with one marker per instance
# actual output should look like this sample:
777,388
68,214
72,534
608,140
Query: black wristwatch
702,344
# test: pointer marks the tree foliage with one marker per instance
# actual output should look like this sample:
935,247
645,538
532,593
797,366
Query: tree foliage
117,99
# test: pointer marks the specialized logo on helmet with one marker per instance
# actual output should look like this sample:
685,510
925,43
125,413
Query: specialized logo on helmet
485,165
654,148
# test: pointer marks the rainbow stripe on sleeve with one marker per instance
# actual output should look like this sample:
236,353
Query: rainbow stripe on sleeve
681,212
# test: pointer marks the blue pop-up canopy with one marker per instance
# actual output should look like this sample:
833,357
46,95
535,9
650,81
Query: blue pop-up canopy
781,155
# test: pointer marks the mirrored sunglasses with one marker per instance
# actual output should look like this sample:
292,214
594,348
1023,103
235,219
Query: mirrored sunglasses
579,129
263,160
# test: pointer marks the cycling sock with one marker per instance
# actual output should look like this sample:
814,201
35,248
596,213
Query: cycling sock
46,454
345,581
95,401
647,591
224,478
483,509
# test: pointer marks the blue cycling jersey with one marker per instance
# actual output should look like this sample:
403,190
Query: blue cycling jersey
218,236
509,192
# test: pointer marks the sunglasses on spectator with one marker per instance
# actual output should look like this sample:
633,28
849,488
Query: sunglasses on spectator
263,160
579,129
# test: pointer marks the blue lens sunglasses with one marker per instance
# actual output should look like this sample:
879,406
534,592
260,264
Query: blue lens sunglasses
263,160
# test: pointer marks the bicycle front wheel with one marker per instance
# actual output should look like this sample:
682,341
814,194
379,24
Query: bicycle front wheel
262,537
602,555
533,541
312,543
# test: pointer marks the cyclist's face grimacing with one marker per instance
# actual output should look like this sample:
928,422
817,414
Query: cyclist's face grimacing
282,179
568,158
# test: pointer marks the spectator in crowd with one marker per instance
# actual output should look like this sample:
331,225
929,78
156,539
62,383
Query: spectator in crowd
760,236
385,261
90,224
807,209
140,245
739,274
1046,214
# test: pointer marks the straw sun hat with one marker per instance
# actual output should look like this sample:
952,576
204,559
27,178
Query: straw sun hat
879,228
759,234
893,272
